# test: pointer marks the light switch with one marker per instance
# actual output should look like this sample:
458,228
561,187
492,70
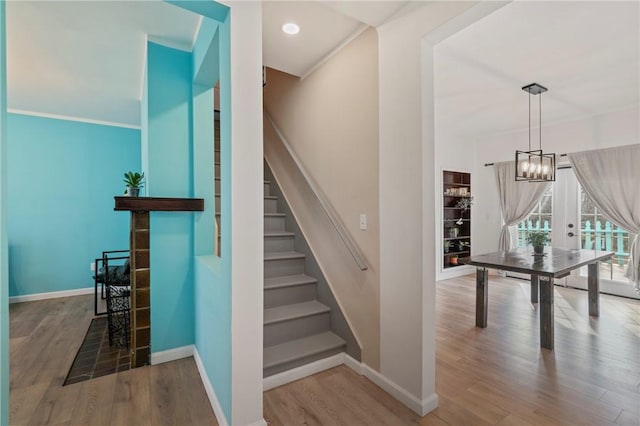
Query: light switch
363,222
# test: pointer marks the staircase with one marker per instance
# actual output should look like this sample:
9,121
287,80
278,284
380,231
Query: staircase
296,325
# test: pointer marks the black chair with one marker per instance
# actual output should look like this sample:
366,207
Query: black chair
115,282
114,274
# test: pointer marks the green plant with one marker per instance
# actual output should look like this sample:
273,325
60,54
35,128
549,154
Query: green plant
447,245
465,203
538,238
134,180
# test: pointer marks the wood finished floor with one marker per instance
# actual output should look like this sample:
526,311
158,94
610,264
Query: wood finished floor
45,336
498,375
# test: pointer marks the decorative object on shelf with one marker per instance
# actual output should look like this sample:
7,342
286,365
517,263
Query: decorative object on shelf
538,239
453,232
464,204
134,182
447,246
464,246
457,192
453,260
534,165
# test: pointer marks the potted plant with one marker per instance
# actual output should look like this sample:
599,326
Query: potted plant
134,182
453,260
447,246
463,204
538,239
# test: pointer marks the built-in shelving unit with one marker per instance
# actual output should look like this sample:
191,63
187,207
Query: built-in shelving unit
456,221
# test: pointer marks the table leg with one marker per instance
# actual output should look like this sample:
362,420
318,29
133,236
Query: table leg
482,283
546,312
594,288
534,288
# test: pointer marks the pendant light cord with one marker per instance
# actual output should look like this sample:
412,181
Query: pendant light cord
529,121
540,131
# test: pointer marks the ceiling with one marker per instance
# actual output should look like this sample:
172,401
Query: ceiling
324,26
86,59
586,53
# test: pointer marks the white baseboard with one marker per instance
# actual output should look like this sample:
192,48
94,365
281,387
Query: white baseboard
302,371
261,422
172,354
421,408
51,295
429,404
354,364
208,387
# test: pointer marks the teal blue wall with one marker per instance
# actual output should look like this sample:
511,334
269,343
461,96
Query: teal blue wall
213,325
61,181
213,274
4,265
169,153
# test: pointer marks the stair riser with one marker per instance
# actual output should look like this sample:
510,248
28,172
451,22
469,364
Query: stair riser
273,223
217,185
285,331
270,206
216,169
278,268
302,361
272,244
289,295
217,204
267,190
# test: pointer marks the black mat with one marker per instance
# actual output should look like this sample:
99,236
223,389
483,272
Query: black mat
95,357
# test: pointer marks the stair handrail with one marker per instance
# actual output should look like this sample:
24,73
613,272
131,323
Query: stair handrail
324,203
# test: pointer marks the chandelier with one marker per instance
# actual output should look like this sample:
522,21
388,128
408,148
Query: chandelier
534,165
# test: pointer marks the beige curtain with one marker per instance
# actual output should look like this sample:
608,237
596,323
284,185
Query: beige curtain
611,179
517,199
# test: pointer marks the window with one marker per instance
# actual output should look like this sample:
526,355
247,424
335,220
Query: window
538,220
598,233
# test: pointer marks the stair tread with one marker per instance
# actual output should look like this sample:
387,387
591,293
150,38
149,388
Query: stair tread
279,234
288,281
267,182
270,197
296,310
275,215
282,255
300,348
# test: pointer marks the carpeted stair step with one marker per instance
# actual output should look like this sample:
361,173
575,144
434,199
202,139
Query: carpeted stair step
274,222
301,351
281,263
275,241
289,289
290,322
270,204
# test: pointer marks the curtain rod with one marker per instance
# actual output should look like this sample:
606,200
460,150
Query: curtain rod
560,167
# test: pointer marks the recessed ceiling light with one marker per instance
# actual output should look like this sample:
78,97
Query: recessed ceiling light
291,28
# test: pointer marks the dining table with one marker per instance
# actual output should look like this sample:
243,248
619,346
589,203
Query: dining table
543,269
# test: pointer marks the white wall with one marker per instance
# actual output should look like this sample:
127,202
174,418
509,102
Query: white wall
602,131
247,210
407,201
455,153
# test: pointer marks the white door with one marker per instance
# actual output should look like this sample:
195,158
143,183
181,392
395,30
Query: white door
565,233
